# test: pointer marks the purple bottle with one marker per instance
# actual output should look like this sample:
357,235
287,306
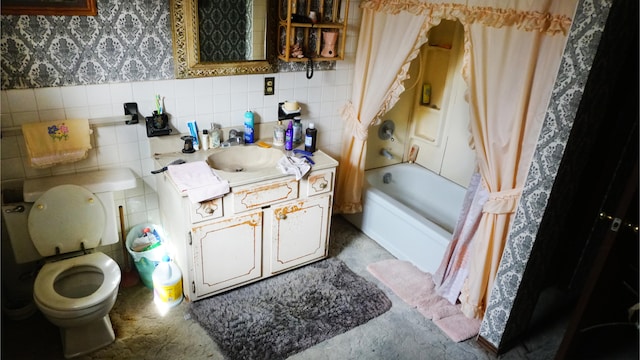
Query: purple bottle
288,136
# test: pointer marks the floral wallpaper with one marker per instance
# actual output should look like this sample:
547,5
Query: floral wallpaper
126,41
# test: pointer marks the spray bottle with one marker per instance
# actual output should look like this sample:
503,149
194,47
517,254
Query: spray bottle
248,127
288,136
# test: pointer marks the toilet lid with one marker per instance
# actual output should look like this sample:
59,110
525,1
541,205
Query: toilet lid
66,217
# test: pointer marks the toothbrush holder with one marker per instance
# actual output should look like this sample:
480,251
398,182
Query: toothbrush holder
158,124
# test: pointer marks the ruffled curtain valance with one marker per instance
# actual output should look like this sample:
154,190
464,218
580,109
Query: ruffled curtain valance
527,20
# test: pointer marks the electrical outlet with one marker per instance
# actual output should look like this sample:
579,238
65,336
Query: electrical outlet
269,85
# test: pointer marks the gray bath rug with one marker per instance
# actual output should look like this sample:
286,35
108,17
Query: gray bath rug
283,315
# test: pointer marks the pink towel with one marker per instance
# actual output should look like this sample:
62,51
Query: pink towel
198,180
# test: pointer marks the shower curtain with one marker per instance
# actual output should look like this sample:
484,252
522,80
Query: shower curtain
512,54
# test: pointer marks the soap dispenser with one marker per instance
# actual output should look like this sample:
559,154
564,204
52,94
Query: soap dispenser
278,134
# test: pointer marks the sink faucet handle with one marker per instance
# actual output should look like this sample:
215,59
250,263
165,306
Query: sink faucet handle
233,133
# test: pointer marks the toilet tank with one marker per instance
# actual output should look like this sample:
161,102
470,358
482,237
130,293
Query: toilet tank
101,182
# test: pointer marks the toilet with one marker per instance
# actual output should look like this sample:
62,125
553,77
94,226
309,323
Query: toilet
76,288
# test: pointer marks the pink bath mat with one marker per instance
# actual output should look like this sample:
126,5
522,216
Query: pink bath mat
417,289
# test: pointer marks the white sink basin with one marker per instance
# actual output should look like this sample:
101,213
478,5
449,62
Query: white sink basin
244,159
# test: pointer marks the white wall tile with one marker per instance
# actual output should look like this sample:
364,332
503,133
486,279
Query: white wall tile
25,117
77,112
98,94
48,98
52,114
12,169
9,147
74,96
120,94
221,85
22,100
203,86
105,135
4,102
107,155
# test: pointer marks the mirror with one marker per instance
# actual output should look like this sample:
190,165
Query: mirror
218,38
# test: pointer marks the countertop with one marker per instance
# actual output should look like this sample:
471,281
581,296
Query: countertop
165,149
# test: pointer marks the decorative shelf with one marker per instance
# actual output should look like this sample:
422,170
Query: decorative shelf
307,37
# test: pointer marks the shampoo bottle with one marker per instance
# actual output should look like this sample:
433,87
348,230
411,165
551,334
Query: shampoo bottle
288,137
310,138
248,127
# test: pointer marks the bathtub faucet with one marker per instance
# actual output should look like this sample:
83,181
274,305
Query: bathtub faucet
386,153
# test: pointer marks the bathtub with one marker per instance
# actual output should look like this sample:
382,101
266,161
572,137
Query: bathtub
413,215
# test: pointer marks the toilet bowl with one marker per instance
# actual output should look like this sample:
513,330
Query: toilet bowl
75,293
76,288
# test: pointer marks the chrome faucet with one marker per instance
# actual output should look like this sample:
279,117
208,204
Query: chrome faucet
386,153
235,138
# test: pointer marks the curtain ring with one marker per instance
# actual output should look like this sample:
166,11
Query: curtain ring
309,68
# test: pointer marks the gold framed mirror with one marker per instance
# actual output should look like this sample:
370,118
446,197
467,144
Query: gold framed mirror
187,47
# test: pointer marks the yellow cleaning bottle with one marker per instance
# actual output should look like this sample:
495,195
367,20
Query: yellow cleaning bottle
167,283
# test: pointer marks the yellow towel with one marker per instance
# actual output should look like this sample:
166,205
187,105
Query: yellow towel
57,142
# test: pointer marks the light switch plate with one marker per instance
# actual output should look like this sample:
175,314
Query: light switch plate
269,85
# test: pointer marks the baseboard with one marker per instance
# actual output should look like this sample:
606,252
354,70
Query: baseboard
487,345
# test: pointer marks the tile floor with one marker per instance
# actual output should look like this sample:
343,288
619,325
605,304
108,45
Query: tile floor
400,333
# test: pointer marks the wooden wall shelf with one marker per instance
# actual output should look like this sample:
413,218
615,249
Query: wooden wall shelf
331,16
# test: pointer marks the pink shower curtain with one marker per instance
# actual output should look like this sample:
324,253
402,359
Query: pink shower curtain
377,86
512,53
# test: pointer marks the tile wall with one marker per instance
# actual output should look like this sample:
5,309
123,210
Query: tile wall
221,100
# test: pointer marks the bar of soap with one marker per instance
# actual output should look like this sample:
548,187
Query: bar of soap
263,144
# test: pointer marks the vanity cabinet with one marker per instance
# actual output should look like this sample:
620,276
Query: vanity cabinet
255,231
226,252
298,232
297,31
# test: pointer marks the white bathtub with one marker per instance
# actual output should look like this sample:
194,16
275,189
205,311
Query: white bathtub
413,216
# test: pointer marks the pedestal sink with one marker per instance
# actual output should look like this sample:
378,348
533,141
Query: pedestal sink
245,159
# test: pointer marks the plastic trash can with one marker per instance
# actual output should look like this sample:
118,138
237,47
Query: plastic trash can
145,261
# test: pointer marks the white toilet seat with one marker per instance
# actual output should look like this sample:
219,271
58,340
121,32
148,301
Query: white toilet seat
44,283
66,218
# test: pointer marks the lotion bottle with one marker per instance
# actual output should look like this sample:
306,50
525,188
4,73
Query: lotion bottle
205,139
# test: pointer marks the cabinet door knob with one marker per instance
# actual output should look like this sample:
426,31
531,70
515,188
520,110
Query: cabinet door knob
323,185
282,216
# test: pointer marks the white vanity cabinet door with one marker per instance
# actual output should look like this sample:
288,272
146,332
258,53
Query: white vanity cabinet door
227,252
299,232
